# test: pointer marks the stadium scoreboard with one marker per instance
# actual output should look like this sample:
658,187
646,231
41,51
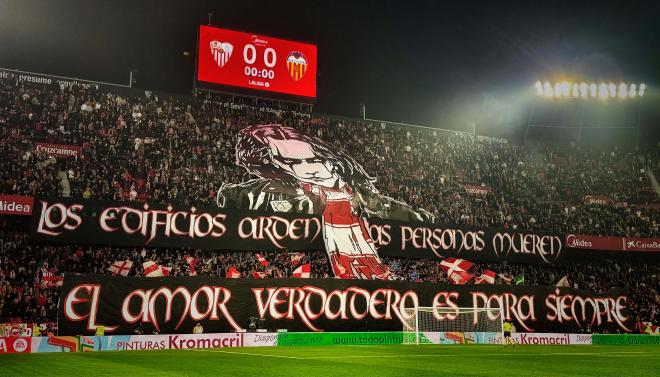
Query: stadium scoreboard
244,60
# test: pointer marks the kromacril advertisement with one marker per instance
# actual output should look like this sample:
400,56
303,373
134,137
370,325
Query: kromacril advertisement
257,62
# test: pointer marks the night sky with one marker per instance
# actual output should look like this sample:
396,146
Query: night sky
425,62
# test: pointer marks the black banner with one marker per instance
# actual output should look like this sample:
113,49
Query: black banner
140,224
159,225
419,240
175,305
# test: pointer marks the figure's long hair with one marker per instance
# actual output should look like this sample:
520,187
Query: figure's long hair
254,154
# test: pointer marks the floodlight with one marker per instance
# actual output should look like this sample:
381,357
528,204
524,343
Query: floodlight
623,90
612,88
547,89
584,90
633,91
539,88
642,89
602,91
593,90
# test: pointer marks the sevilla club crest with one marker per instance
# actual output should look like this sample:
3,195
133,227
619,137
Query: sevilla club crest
221,52
296,63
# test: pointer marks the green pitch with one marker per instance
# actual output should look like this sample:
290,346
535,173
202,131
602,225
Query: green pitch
353,361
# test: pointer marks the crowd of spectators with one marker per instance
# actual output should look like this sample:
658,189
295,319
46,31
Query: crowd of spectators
23,293
163,148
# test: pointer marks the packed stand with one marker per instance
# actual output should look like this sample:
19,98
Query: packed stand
162,148
25,294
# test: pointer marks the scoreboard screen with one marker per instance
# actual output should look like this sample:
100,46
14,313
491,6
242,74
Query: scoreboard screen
233,58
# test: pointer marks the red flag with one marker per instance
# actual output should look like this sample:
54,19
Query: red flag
121,267
460,277
165,270
296,258
152,269
49,279
303,272
262,260
451,265
192,262
487,277
232,273
258,275
506,278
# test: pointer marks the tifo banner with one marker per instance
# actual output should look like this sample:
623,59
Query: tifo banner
59,150
581,241
625,339
16,205
176,304
137,224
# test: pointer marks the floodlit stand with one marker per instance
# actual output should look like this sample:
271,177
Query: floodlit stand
422,320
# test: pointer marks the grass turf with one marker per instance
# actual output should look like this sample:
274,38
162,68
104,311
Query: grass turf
353,361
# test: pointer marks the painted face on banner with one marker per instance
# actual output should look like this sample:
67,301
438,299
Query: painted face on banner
297,158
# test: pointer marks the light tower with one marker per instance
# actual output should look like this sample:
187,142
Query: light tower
570,109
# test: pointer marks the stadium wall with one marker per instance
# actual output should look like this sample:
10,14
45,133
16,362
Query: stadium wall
21,344
621,339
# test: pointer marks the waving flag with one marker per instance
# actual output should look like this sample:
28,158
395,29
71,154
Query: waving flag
192,262
297,258
451,265
232,273
520,279
152,269
121,267
507,279
460,277
563,282
303,272
165,270
262,260
258,275
49,279
487,277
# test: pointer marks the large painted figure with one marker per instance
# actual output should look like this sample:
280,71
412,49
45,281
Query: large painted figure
298,173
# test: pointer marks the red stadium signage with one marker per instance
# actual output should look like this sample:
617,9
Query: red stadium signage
581,241
476,189
15,344
16,205
641,244
59,150
245,60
